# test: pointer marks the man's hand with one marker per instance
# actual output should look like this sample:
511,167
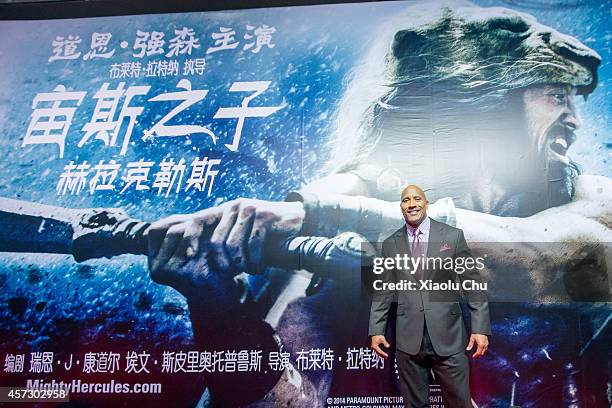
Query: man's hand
230,238
482,343
375,345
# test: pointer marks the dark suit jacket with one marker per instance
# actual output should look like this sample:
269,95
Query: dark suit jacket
441,311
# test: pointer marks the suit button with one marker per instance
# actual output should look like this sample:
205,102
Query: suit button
421,309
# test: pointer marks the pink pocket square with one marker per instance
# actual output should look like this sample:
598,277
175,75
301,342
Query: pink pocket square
444,247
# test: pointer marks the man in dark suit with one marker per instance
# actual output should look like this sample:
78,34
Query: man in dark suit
430,331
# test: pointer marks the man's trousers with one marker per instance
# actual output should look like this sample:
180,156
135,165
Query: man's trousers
451,372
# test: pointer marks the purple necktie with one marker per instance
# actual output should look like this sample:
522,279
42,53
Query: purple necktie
417,252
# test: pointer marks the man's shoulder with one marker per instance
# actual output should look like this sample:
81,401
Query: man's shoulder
449,229
398,232
444,228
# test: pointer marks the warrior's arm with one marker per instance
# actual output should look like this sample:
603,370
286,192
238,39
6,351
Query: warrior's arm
340,203
336,203
543,246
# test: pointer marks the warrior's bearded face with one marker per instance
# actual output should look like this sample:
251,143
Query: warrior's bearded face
493,83
552,118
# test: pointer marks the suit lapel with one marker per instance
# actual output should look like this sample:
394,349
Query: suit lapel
401,241
436,236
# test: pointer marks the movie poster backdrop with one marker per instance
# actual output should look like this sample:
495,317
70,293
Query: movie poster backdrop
112,123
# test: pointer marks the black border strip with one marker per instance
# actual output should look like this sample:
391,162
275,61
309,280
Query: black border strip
49,10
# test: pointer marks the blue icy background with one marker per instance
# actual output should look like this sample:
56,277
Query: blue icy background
50,303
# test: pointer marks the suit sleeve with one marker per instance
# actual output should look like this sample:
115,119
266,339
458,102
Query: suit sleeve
381,304
476,300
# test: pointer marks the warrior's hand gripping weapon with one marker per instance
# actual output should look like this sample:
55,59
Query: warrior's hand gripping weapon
104,233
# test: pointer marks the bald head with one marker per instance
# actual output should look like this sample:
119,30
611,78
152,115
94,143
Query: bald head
413,205
413,187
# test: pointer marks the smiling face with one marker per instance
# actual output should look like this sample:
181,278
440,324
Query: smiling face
414,205
552,119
